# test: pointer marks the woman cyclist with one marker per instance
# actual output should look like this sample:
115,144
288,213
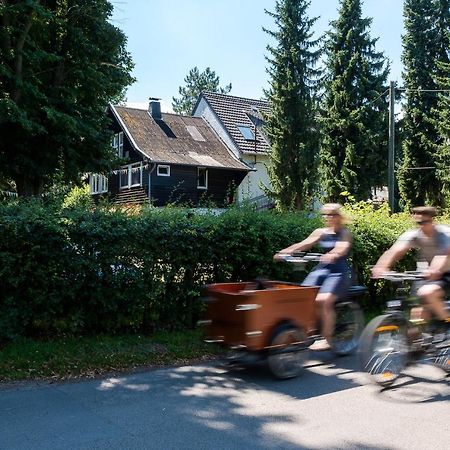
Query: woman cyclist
333,274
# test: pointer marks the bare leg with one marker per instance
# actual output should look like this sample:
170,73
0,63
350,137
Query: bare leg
326,301
433,297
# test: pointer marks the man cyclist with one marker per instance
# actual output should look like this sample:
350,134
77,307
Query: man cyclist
433,242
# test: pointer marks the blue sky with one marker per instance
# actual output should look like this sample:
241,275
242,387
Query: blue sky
167,38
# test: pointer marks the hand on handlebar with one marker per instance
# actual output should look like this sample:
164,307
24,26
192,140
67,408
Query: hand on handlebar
280,256
329,258
379,271
432,274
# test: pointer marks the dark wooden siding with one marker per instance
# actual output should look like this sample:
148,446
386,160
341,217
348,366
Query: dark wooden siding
181,186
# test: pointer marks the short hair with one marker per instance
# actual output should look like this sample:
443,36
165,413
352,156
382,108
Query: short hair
429,211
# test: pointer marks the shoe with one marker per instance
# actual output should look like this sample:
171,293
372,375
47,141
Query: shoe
320,346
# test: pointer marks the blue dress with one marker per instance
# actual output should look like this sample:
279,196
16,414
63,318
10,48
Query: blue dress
334,278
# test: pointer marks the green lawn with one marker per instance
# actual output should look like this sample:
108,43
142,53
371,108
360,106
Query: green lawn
91,356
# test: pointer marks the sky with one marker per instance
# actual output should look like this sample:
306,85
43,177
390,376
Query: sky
167,38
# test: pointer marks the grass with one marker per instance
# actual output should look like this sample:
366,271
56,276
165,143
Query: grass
67,358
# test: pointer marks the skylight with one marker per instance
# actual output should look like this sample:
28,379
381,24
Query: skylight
247,132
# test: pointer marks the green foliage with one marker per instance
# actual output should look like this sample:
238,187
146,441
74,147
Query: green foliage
425,43
196,83
61,63
78,197
291,125
353,154
75,271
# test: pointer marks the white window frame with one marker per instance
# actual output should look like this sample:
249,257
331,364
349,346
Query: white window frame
162,174
206,178
117,143
98,183
129,169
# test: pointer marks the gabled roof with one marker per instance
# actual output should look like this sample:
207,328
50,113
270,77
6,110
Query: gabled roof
233,111
175,139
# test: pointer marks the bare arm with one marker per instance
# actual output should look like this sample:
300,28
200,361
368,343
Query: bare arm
341,248
390,257
306,244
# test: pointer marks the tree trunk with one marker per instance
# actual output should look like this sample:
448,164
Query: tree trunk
28,186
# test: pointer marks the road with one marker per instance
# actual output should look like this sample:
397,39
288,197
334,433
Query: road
331,406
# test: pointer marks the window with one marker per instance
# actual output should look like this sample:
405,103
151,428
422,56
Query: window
117,144
195,134
98,183
163,171
202,178
130,175
247,132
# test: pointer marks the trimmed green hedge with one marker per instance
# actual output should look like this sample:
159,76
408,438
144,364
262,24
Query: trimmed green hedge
80,271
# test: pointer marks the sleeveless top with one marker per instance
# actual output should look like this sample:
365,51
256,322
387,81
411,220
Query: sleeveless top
327,242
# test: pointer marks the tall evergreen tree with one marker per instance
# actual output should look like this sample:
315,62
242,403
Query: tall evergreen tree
291,126
61,62
442,112
422,48
353,154
196,83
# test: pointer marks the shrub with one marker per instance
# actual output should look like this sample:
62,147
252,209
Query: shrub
77,270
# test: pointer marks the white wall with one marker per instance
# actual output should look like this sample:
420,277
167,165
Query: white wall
250,185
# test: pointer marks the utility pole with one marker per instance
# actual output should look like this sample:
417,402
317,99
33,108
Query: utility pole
391,155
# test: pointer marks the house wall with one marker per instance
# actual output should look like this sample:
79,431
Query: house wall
181,186
250,186
204,110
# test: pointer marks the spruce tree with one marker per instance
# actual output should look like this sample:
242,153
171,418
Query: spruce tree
353,154
442,112
417,175
291,126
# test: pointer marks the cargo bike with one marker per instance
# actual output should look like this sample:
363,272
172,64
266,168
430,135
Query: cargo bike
276,322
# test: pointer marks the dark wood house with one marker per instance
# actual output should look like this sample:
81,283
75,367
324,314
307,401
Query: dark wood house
168,158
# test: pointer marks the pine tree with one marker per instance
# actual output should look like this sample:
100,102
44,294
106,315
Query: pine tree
442,112
422,43
291,126
353,154
196,83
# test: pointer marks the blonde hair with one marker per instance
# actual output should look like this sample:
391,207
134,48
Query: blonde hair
331,208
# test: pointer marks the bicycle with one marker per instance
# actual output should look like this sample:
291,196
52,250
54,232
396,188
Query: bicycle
276,321
396,339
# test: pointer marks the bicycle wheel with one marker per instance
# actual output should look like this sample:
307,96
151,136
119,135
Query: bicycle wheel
348,328
288,352
442,359
384,348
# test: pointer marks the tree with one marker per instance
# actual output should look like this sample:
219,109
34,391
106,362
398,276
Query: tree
196,83
61,62
442,112
291,126
353,154
422,42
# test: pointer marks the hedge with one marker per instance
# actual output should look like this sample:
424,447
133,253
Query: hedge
73,271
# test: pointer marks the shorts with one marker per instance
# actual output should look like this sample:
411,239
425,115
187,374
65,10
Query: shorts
336,283
443,283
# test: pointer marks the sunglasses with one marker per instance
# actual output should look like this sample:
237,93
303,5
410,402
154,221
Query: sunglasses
330,215
422,222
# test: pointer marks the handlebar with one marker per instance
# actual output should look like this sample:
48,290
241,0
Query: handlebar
302,258
409,275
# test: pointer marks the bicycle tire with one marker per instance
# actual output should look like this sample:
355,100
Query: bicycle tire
288,351
383,349
348,328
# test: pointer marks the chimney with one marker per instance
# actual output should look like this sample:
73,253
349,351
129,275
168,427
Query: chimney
154,108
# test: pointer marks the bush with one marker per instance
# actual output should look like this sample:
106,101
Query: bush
80,270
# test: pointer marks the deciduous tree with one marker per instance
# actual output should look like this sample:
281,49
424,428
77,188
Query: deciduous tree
61,62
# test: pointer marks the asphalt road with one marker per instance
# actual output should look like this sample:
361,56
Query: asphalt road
331,406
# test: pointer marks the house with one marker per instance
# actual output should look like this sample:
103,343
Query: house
239,122
168,158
